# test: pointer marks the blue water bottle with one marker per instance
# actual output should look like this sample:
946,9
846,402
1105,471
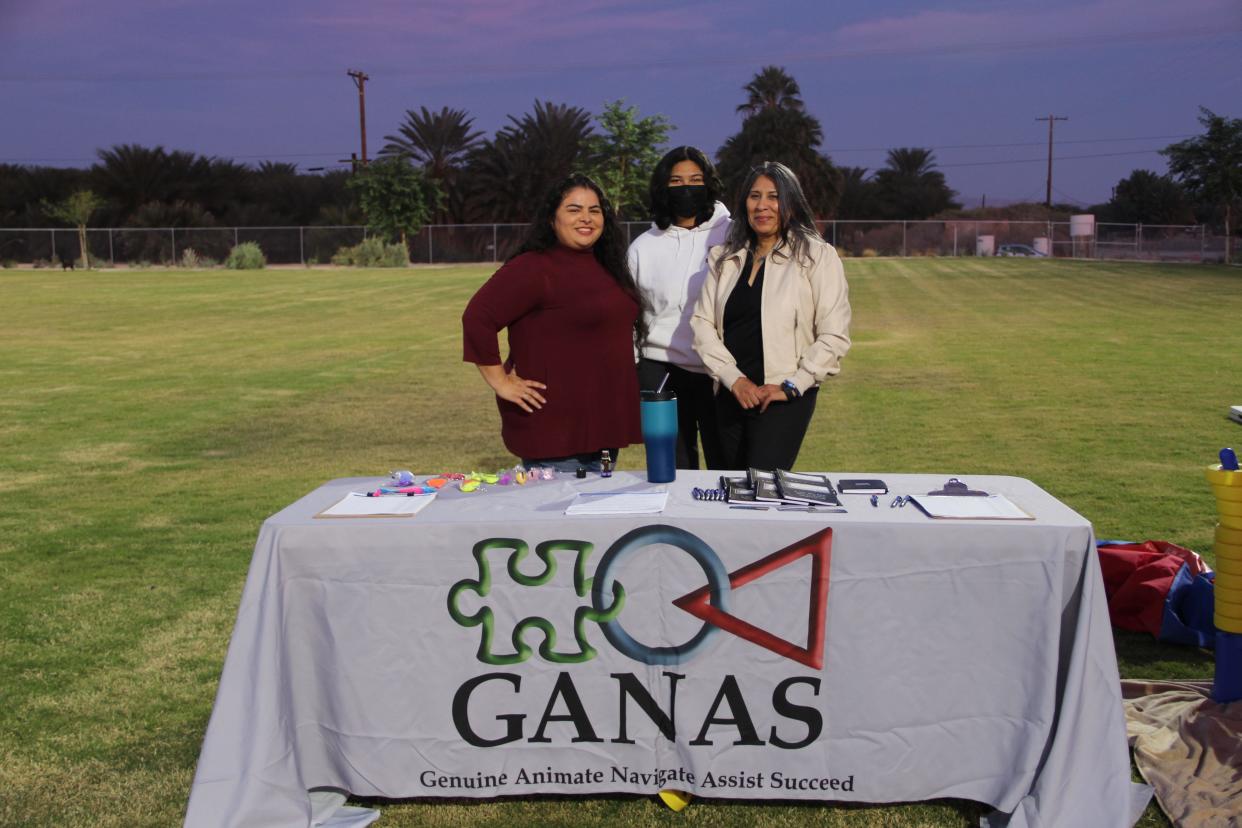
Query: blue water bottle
659,412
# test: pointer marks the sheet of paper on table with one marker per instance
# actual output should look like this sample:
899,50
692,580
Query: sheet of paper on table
357,504
964,507
618,503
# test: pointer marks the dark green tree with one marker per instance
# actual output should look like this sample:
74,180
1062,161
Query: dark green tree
910,187
509,174
439,142
791,137
859,197
1148,198
129,176
396,198
1210,166
772,88
76,211
623,157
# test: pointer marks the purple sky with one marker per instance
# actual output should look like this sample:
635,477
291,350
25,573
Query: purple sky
266,80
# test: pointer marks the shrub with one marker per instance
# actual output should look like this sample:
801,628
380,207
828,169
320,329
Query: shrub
372,252
246,256
869,253
190,258
8,263
39,264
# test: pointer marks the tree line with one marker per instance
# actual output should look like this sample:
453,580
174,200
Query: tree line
457,174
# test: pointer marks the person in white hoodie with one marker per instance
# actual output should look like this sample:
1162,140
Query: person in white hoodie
669,264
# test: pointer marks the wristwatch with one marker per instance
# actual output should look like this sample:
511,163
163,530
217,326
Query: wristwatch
791,390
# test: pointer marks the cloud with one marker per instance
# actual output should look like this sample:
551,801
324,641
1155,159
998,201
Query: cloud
482,21
1093,22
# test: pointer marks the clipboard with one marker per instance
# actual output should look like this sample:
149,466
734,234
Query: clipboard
358,505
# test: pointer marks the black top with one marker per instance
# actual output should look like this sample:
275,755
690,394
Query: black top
743,322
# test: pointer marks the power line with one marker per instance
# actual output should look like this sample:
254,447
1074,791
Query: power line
480,69
831,151
1018,144
1040,160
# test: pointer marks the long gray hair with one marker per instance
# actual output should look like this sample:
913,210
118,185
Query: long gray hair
797,220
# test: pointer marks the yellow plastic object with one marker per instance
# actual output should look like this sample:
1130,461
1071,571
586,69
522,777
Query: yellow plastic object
519,477
675,799
1231,595
484,477
1229,494
1229,508
1228,625
1231,566
1219,477
1233,522
1225,535
470,484
1226,609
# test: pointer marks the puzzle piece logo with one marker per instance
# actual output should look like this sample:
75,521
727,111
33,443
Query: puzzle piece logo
485,617
606,599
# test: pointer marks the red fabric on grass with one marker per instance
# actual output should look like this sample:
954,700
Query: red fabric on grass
1137,578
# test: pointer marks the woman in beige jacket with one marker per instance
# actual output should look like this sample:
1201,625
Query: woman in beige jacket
772,321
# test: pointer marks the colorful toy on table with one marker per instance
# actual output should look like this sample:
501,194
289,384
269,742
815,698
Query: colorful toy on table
401,478
470,484
408,491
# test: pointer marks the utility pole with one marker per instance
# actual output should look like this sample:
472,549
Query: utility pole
1050,119
360,81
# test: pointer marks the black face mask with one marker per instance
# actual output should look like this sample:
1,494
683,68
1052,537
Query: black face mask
688,201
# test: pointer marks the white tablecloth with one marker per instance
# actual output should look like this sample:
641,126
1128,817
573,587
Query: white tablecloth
968,659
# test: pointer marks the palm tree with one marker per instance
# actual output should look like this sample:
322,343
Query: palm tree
508,175
772,88
791,137
914,162
131,176
910,187
440,142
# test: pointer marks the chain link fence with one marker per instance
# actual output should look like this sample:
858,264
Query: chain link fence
464,243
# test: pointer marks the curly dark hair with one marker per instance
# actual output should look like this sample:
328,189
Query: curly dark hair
661,210
610,249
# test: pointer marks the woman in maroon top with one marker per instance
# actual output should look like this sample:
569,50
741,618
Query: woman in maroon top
568,389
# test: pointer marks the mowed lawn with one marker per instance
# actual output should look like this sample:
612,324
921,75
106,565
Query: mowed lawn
152,419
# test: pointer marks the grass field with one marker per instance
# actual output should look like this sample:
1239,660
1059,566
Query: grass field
151,420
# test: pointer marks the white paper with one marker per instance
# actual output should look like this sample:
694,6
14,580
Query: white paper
357,504
991,507
618,503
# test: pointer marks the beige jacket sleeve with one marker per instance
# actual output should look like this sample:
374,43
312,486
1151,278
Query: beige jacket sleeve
707,342
830,320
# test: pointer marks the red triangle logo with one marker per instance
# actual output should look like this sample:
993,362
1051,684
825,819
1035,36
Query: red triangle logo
819,547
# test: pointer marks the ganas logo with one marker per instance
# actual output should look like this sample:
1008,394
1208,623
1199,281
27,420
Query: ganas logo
709,603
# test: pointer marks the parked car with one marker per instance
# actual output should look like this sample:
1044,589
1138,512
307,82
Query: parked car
1018,250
